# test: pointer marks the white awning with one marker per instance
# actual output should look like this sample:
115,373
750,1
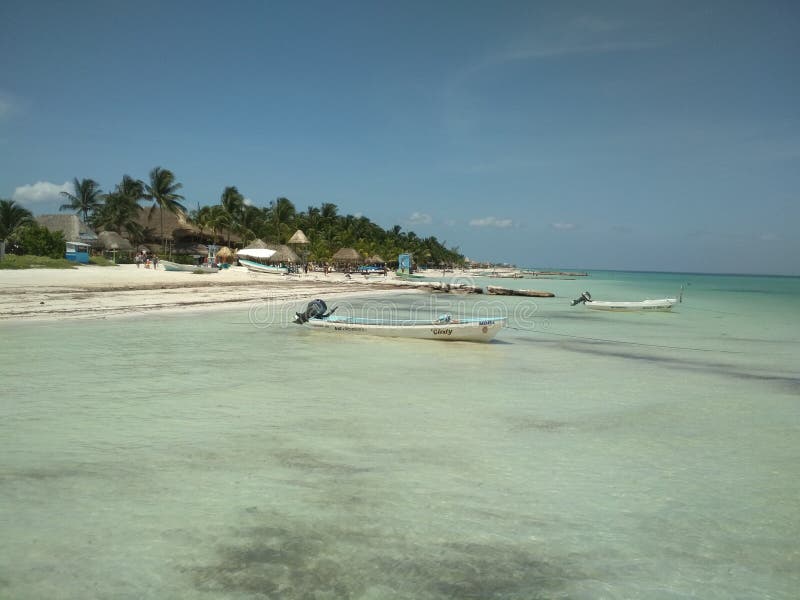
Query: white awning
256,252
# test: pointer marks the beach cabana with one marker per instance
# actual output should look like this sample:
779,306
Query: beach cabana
346,257
298,238
375,260
259,244
112,241
284,255
224,255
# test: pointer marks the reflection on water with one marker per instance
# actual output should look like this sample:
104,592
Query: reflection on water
582,455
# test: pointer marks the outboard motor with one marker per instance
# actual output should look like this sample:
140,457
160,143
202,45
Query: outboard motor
584,297
315,309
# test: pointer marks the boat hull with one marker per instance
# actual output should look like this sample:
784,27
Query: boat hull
256,267
503,291
171,266
482,330
662,305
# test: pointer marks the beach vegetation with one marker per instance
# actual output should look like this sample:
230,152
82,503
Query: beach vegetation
232,203
239,221
12,217
28,261
85,198
101,261
162,191
34,239
120,210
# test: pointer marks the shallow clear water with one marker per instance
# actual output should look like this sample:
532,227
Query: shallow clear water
580,455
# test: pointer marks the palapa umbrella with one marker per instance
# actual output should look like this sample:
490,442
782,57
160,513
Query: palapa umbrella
346,256
284,254
224,255
111,240
259,244
298,238
375,260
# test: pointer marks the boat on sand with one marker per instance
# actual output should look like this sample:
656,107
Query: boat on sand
659,305
445,327
172,266
257,267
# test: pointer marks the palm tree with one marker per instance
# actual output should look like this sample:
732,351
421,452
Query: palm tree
12,217
283,212
233,203
162,191
87,197
217,219
121,209
250,220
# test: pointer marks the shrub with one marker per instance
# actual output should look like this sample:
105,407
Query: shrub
40,241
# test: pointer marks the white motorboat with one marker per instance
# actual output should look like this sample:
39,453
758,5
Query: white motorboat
445,327
257,267
658,305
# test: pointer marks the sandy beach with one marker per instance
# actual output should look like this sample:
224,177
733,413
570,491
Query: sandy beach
99,292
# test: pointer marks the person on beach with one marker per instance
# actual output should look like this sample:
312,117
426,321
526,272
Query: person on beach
138,259
155,261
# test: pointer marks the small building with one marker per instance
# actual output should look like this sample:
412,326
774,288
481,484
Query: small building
77,252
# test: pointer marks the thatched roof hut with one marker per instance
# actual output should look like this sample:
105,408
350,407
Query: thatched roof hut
374,260
260,244
284,254
346,256
298,238
190,248
71,226
111,240
176,225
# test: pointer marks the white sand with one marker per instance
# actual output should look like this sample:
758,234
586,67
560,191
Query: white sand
98,292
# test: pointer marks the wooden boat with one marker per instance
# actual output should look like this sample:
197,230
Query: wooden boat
659,305
503,291
172,266
257,267
444,328
453,330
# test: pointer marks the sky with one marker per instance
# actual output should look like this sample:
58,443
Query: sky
642,135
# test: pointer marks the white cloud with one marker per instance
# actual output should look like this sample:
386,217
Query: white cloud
248,202
41,192
491,222
418,218
564,226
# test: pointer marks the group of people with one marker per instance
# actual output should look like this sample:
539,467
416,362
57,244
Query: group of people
141,258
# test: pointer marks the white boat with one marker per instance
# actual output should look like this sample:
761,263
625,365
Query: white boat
257,267
172,266
445,328
661,304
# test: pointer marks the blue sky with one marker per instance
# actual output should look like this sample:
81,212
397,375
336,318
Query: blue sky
652,135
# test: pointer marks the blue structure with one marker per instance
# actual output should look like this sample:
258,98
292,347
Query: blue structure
404,264
77,252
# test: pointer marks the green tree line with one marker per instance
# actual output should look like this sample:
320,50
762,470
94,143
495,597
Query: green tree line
327,230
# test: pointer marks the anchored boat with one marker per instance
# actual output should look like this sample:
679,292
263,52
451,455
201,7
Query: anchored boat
444,328
662,304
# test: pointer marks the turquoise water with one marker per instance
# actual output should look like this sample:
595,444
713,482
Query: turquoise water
580,455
